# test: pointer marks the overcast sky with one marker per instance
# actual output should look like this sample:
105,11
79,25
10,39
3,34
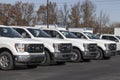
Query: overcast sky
109,7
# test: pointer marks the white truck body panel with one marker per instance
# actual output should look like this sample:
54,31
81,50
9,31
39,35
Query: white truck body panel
48,42
81,29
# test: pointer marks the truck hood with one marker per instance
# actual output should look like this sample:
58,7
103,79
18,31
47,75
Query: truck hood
20,40
102,41
80,40
52,40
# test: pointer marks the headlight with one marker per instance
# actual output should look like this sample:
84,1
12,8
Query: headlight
107,46
56,47
86,47
20,47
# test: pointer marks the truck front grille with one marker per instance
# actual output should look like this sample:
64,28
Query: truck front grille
112,46
92,47
65,48
34,48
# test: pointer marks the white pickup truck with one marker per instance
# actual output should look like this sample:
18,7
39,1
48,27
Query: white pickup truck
106,48
56,50
84,50
14,50
115,38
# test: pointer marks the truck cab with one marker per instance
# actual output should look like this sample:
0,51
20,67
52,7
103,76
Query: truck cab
84,50
104,52
56,50
14,50
114,38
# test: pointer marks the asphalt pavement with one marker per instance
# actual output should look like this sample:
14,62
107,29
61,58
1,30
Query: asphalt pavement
94,70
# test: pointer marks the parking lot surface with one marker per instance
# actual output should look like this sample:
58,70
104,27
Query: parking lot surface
94,70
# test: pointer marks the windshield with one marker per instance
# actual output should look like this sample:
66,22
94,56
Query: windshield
38,33
118,37
68,34
9,32
91,35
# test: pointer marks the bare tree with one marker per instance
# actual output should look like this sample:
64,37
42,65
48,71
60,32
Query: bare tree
117,24
42,13
102,22
23,13
41,17
62,17
75,15
5,15
88,13
79,15
52,13
18,14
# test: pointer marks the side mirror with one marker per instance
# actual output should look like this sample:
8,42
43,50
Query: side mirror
24,35
116,40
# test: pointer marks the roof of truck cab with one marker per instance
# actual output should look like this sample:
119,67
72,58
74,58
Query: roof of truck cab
54,27
23,27
51,29
76,31
15,26
3,26
108,35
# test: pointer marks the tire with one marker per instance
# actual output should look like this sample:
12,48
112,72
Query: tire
32,66
99,56
6,61
77,56
47,60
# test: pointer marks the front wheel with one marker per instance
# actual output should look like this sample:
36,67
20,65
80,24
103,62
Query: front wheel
6,61
77,56
47,59
99,55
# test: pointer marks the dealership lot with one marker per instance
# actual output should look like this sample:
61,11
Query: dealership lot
94,70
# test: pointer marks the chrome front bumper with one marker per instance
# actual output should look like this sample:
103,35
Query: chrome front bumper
62,56
29,59
89,55
110,53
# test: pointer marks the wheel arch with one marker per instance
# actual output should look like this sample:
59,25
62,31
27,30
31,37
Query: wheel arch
74,47
5,49
51,55
101,49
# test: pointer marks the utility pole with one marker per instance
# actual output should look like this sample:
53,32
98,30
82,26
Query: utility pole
101,14
47,14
